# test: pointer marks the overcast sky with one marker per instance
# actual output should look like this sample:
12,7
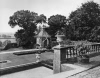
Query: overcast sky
46,7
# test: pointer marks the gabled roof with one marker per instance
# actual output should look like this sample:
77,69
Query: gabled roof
43,33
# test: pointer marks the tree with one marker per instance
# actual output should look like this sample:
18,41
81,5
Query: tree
41,19
27,21
84,19
56,22
69,32
95,34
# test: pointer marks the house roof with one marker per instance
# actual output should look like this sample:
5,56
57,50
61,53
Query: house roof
43,33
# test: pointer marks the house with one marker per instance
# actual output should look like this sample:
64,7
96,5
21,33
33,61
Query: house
43,38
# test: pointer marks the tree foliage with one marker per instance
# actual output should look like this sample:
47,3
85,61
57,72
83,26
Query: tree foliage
56,22
41,18
27,21
95,34
85,19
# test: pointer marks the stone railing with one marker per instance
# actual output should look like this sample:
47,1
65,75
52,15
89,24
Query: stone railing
72,52
63,53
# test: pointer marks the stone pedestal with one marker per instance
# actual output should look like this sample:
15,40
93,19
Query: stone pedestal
59,57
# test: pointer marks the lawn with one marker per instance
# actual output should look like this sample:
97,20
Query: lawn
14,60
22,59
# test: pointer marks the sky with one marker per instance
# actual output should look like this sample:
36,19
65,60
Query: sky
46,7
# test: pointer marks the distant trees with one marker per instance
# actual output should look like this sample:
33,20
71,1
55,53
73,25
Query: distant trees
84,20
26,20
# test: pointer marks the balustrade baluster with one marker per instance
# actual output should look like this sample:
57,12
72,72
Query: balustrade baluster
76,52
95,48
87,47
70,52
92,48
98,47
67,53
73,52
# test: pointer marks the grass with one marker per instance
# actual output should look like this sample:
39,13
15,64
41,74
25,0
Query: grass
23,59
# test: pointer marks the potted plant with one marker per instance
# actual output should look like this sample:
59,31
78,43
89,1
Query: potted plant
82,53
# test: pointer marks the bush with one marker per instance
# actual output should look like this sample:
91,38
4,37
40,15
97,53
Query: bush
6,42
67,42
0,44
54,43
10,45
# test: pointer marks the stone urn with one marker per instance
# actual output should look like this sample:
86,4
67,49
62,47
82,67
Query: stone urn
60,38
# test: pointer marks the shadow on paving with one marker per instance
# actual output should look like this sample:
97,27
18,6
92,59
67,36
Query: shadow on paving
19,68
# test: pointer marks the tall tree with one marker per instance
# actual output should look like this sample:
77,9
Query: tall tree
27,21
84,19
56,22
41,20
95,34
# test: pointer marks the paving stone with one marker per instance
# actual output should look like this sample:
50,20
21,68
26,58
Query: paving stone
92,73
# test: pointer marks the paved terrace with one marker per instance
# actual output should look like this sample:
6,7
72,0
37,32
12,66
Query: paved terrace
91,70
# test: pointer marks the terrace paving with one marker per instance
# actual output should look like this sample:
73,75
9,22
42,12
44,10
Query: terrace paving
91,73
39,72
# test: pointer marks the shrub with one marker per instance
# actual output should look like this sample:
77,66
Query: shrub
0,44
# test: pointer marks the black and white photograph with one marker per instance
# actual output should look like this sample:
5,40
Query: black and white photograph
49,38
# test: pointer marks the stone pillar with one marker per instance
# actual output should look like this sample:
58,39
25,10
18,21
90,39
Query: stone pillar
59,56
